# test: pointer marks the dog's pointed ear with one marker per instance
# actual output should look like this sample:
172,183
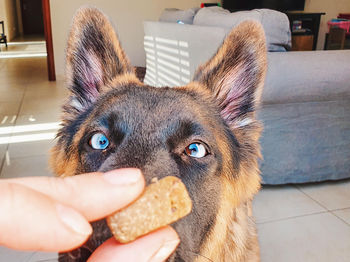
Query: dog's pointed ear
236,73
94,56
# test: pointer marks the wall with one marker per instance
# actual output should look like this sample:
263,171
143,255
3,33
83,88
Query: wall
332,8
11,22
127,17
2,11
3,17
9,16
19,17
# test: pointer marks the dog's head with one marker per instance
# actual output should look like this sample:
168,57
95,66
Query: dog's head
205,133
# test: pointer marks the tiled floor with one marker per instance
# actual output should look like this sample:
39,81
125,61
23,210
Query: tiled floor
27,100
29,46
295,223
23,46
304,223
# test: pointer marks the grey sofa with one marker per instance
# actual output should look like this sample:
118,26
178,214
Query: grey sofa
305,103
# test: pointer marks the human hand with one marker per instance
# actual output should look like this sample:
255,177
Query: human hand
52,214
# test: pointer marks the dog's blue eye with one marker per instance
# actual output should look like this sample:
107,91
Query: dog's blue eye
99,141
196,150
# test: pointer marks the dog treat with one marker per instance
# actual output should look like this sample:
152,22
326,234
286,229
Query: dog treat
162,203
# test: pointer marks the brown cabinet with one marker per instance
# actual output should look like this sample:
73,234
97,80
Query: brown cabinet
310,24
302,42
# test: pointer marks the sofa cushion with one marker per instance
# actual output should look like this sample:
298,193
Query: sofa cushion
174,15
276,24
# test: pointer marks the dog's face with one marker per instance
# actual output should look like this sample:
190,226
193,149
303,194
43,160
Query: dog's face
204,133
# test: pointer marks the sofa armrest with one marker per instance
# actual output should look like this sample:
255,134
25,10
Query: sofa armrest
307,76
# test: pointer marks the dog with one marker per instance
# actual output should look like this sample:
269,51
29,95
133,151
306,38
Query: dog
206,133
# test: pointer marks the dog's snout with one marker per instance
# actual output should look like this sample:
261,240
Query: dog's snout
161,166
153,162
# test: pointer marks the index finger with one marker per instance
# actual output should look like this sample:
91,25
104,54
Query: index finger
94,195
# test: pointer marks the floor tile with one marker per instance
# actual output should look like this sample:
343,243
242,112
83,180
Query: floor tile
39,106
343,214
13,96
20,137
4,140
43,257
7,121
23,71
313,238
46,90
9,108
9,86
18,80
3,149
279,202
36,148
38,118
10,255
26,166
21,50
6,128
331,195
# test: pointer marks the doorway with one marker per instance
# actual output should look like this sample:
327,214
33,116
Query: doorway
32,17
28,29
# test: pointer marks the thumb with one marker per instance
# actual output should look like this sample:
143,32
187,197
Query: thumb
154,247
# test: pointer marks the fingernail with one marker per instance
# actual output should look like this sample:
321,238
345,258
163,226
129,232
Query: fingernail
165,251
123,177
74,220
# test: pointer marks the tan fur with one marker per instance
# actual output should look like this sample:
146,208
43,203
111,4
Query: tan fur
234,229
61,165
123,80
233,237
